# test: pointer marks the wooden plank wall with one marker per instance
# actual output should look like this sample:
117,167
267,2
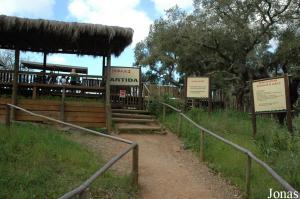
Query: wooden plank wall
86,114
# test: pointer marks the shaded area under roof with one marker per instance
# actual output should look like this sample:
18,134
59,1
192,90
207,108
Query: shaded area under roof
54,67
51,36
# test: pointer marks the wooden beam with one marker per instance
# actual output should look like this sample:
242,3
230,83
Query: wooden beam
140,89
15,82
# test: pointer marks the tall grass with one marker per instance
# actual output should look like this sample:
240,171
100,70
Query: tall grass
39,162
273,145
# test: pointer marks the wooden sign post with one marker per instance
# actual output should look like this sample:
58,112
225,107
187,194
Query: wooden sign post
271,96
288,104
199,88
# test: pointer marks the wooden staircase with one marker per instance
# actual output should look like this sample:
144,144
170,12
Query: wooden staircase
135,121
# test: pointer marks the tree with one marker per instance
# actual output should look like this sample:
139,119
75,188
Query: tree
226,39
7,59
158,51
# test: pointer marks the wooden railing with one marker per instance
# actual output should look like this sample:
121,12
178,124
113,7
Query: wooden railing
250,156
146,95
83,190
26,77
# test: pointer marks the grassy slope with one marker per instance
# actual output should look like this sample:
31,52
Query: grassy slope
38,162
273,144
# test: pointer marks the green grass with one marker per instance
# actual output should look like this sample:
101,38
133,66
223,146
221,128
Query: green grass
39,162
273,145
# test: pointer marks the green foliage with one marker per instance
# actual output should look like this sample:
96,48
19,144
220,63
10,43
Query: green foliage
273,145
39,162
227,40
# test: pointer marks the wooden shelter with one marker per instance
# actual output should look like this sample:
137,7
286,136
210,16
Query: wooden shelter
49,36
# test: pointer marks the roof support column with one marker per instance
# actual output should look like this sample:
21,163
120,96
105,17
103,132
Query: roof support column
15,83
44,67
107,95
103,66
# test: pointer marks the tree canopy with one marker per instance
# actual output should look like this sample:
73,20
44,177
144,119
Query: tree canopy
232,41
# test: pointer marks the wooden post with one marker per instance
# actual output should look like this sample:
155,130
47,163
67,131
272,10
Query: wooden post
44,67
253,114
103,66
85,194
34,92
288,104
248,177
159,88
140,90
7,118
209,97
179,123
135,165
62,105
185,92
201,146
15,83
164,113
108,104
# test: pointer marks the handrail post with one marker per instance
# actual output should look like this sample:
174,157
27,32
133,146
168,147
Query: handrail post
179,123
7,118
164,112
62,105
135,165
201,145
85,194
248,177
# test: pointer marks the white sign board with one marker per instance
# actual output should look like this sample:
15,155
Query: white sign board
197,87
269,95
123,76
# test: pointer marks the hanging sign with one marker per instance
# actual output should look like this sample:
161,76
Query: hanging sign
197,87
123,93
124,76
269,95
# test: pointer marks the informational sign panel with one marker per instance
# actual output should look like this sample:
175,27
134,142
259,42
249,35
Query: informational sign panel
269,95
124,76
123,93
197,87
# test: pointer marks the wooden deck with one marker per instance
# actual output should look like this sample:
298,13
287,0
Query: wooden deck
86,114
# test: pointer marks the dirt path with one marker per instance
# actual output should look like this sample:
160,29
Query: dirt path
166,170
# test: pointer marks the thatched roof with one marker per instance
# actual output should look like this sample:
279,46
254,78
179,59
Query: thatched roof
62,37
54,67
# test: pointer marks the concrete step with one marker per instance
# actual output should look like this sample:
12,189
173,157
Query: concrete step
132,115
129,111
132,120
138,127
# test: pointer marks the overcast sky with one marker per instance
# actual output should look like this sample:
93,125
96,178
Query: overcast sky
137,14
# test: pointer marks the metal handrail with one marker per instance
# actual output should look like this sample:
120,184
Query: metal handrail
250,155
149,95
146,87
81,190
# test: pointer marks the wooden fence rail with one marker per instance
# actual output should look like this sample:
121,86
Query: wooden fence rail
83,190
28,77
249,154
